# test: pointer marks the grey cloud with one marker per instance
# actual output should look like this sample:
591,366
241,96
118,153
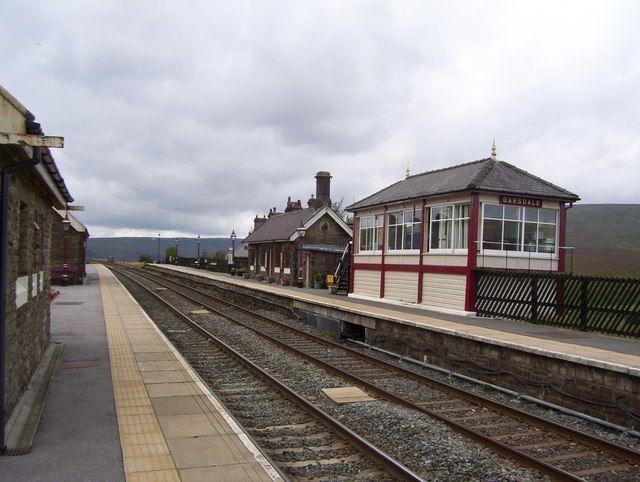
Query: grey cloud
194,118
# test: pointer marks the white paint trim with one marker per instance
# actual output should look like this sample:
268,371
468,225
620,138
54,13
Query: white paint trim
319,215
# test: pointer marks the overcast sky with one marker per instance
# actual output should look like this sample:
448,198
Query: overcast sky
188,118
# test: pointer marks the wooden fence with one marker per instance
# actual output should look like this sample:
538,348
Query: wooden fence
589,303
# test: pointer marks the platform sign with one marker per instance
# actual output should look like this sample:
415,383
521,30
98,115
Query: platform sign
520,201
31,140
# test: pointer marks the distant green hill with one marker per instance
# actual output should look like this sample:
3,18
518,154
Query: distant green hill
129,249
606,238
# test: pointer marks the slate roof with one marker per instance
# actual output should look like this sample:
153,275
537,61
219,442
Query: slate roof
281,226
483,175
75,223
35,128
323,248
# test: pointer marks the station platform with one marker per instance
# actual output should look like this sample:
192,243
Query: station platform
592,349
124,405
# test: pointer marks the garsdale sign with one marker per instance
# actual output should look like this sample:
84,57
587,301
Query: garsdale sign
520,201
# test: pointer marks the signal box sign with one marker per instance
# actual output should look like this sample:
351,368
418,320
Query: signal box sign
530,202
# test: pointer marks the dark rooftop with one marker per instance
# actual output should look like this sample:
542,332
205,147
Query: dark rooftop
281,226
483,175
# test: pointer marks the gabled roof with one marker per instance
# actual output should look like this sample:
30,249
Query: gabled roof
483,175
75,223
284,227
281,226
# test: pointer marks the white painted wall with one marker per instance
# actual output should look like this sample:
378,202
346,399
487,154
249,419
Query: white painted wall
401,286
443,290
366,283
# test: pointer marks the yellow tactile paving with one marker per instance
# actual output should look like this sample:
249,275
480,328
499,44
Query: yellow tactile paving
156,476
145,452
147,371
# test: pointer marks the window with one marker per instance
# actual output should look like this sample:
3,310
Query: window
404,230
371,233
517,228
449,227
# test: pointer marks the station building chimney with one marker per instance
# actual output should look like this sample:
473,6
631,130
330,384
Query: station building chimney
323,189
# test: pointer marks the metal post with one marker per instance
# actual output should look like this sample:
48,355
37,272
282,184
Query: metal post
65,261
158,257
176,251
233,249
198,260
301,232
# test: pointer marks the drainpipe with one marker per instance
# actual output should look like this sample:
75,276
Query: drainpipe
4,248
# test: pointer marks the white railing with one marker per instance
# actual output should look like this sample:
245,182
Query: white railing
530,253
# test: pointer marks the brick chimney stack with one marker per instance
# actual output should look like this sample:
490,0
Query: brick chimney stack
323,189
257,222
292,205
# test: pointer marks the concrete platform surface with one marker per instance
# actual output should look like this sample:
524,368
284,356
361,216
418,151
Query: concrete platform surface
125,405
592,349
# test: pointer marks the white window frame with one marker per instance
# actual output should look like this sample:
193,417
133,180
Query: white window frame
452,249
414,209
520,253
377,218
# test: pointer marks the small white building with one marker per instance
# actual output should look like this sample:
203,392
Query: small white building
419,240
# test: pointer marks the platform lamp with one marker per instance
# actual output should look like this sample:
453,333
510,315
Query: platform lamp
301,232
176,251
198,260
233,248
158,256
65,266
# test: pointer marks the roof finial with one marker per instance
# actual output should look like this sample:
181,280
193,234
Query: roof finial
407,173
493,149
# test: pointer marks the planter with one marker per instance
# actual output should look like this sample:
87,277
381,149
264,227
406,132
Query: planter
333,290
317,284
284,282
245,275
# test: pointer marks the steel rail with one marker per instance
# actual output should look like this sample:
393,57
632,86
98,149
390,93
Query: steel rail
584,438
495,445
631,456
366,447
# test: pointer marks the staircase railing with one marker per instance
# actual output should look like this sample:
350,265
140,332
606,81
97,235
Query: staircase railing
341,275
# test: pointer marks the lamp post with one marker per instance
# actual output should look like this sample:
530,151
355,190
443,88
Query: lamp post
301,232
158,257
176,251
233,250
65,267
198,258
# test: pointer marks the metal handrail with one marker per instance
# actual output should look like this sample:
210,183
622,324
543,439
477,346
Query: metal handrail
481,251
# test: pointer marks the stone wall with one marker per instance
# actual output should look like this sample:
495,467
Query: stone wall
559,381
27,313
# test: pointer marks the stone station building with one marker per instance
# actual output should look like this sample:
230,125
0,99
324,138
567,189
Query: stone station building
31,185
68,249
291,246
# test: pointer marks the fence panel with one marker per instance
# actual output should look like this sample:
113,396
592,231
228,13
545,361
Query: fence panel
589,303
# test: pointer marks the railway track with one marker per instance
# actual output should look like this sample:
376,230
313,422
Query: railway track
302,440
553,449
